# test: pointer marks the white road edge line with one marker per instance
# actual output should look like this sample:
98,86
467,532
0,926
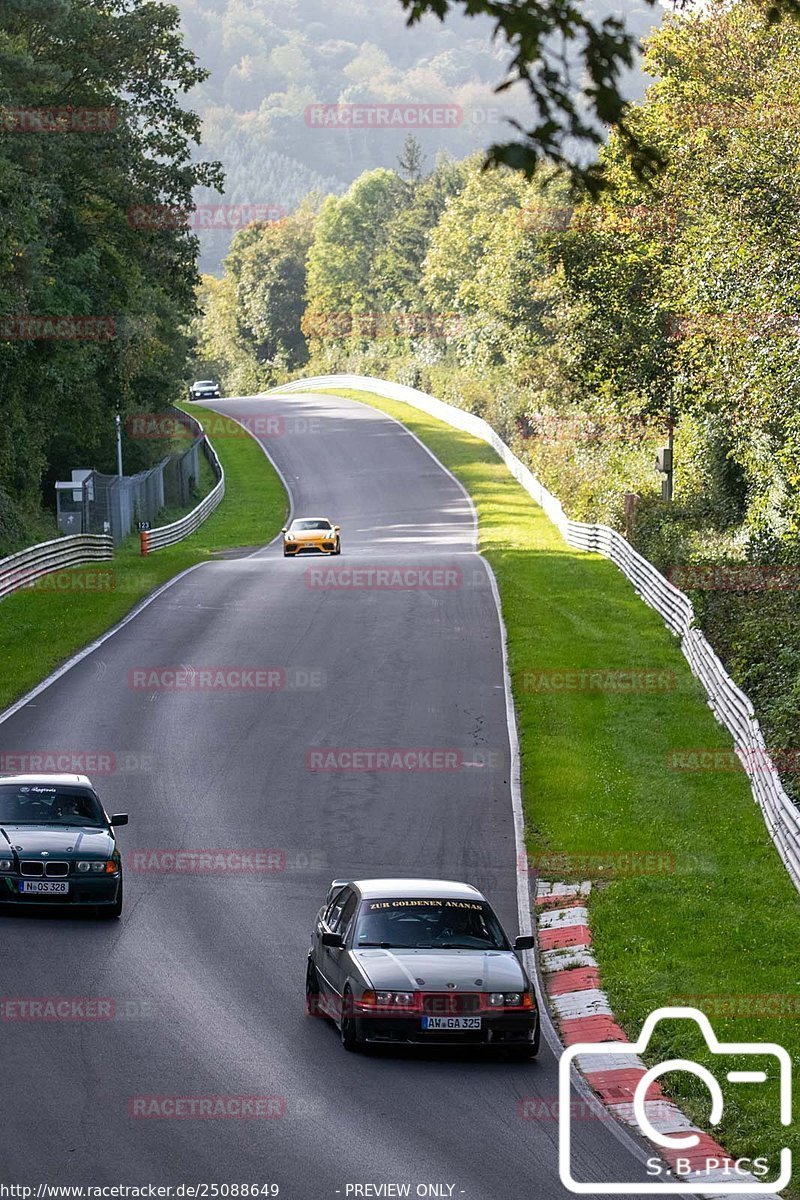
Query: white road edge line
524,903
87,650
271,462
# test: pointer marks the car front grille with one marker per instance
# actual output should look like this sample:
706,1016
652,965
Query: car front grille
34,869
451,1004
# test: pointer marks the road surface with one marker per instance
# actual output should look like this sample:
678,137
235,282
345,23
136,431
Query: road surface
205,971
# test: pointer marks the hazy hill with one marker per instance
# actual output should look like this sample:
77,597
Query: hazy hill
272,61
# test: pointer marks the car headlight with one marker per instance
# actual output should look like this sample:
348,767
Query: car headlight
95,867
510,1000
393,999
6,864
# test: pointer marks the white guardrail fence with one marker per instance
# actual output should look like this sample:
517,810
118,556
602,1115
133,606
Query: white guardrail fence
23,569
168,535
728,702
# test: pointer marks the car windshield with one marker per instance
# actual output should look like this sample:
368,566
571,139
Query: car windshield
311,523
205,383
417,924
45,804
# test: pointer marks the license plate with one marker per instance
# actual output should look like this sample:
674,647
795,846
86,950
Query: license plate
454,1023
37,888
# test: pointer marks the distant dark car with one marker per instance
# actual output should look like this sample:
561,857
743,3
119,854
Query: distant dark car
204,389
57,845
421,961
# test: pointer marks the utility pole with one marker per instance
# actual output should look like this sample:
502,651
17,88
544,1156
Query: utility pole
666,458
118,423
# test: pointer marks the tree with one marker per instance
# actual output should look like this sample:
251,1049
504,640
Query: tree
412,160
350,234
271,288
399,264
576,92
68,243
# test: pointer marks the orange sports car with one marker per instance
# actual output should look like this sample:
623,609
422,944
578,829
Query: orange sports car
315,535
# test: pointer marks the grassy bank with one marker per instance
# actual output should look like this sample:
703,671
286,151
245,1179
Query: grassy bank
40,628
707,910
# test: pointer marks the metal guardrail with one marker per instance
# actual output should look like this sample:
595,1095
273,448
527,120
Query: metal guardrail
728,702
168,535
24,568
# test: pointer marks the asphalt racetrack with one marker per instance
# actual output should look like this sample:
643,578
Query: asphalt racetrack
203,977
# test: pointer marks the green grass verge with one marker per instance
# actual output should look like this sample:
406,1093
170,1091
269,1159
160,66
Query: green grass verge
42,627
719,917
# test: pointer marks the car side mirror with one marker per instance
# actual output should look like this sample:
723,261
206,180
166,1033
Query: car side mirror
119,819
528,942
337,529
334,941
284,530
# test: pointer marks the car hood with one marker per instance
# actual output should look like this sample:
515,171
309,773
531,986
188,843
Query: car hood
33,839
435,970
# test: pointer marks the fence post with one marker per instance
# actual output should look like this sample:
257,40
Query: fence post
144,542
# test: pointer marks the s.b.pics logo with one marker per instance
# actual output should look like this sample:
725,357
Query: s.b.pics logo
685,1161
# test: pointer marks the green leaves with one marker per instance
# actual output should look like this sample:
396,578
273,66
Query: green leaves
572,67
67,243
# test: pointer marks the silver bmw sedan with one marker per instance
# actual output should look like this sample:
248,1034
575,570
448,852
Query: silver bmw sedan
419,961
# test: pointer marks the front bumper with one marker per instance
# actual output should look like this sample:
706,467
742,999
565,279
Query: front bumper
82,892
497,1031
310,547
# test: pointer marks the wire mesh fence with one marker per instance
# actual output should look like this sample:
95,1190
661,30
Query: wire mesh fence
117,504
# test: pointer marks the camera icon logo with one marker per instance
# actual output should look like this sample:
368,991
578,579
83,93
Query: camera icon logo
771,1062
